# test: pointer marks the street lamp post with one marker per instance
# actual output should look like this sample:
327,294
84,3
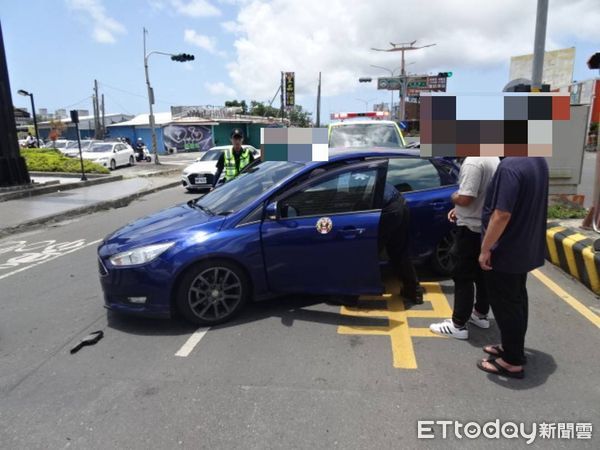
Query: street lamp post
366,102
25,93
180,57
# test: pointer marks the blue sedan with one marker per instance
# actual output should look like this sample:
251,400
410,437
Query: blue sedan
279,228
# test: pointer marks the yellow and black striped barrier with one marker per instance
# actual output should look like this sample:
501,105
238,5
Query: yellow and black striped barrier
574,253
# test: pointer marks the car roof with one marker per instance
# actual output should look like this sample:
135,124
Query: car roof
224,147
361,122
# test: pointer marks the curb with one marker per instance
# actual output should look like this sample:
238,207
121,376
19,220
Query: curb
574,253
109,204
23,193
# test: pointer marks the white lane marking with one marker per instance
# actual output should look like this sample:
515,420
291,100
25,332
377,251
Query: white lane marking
193,340
22,269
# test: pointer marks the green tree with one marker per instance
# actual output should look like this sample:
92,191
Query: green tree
299,118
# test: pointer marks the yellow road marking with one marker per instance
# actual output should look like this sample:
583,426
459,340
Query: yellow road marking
568,298
552,243
398,330
568,244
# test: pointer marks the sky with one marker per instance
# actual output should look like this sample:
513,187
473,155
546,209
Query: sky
56,48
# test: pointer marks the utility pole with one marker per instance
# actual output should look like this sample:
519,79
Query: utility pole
539,45
282,106
402,47
97,134
319,102
103,118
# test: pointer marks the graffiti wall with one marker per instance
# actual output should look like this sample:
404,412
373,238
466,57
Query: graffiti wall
191,138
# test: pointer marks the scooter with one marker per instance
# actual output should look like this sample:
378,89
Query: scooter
142,154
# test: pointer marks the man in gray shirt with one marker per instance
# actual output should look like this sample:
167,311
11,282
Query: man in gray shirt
476,173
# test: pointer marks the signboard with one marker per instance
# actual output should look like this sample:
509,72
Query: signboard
416,85
558,67
389,83
289,88
188,137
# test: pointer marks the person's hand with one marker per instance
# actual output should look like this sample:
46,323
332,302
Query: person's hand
485,260
452,215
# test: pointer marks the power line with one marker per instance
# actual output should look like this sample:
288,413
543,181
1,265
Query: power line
77,103
166,102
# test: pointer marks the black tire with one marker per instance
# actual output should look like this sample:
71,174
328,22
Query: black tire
199,285
131,161
113,164
443,259
148,159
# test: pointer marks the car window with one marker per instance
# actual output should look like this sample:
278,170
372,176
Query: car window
365,135
101,148
346,192
211,155
412,174
237,193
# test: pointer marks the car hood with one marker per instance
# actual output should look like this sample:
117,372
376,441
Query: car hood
201,167
170,224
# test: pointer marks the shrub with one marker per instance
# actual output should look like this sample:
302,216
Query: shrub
566,212
52,160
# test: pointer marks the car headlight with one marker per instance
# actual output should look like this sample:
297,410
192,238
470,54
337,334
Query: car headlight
140,255
102,159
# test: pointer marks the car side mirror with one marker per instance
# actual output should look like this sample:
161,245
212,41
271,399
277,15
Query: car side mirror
271,211
114,150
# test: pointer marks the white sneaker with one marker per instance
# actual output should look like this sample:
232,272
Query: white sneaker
481,322
447,328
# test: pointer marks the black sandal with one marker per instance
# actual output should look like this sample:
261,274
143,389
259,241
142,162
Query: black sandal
499,352
501,371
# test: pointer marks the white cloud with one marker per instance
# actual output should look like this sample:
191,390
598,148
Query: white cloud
104,28
230,26
307,37
221,89
202,41
195,8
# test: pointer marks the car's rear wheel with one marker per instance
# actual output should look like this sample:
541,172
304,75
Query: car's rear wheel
113,164
131,162
212,292
443,259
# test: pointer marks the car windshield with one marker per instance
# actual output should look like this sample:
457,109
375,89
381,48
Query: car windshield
101,148
235,194
74,144
365,135
211,155
58,144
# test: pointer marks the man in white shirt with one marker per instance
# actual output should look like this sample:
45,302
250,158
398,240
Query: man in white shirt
476,173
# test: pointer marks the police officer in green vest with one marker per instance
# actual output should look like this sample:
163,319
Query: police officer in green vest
233,159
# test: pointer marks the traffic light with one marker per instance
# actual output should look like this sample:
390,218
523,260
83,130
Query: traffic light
182,57
365,80
444,74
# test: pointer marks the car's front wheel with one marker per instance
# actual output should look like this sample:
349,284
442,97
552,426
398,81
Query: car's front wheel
212,292
113,164
131,161
443,259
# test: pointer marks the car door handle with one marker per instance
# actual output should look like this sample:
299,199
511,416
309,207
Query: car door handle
351,232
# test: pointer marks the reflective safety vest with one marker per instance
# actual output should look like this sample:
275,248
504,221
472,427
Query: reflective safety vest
230,170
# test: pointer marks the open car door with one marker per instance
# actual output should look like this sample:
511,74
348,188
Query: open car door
321,236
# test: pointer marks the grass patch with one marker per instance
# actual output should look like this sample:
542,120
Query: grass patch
566,212
52,160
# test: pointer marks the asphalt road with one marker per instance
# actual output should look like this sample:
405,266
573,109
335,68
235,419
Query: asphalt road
290,373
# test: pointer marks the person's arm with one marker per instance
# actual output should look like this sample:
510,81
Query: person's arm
220,166
498,223
462,200
507,187
469,183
